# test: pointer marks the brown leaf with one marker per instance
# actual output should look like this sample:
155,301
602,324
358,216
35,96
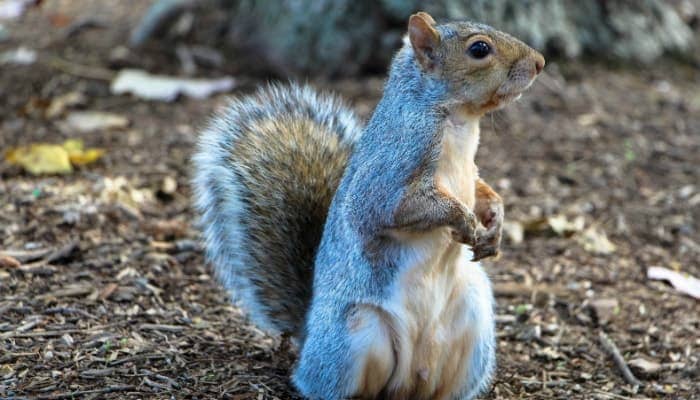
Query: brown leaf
9,262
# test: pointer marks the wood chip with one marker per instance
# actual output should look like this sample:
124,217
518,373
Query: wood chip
108,291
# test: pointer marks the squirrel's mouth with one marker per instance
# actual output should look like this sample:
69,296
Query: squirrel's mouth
499,100
511,90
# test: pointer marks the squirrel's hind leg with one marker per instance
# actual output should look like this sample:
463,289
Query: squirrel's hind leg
351,359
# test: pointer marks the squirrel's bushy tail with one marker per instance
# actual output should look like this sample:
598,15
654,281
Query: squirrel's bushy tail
266,170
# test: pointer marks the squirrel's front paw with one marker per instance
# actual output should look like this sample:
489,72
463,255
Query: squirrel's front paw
488,240
464,231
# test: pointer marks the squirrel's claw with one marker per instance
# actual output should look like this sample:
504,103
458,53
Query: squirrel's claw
488,241
465,231
484,249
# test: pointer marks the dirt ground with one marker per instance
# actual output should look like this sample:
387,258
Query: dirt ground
112,297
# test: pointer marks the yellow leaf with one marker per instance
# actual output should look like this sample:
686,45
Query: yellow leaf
40,159
44,158
86,157
73,145
78,155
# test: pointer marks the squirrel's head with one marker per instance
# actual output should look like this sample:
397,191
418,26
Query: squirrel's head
484,68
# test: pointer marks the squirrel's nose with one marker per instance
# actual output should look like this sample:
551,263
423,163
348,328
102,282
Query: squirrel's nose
539,63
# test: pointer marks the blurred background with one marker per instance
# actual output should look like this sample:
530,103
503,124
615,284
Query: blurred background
103,289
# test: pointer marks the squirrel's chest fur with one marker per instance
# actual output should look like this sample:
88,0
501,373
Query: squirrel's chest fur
456,172
430,317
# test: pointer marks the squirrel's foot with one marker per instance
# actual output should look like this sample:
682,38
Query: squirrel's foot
486,246
488,240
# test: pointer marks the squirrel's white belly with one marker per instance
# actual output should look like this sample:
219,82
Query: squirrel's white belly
433,336
439,310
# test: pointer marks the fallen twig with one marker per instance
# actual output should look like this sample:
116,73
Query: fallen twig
611,348
156,385
161,327
81,71
69,310
24,256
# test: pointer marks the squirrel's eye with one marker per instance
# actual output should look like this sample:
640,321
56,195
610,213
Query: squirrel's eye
479,49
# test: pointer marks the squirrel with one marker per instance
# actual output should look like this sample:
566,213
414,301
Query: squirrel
363,242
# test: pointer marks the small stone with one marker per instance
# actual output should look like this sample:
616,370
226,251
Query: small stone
530,333
551,328
604,309
67,339
514,231
71,217
169,185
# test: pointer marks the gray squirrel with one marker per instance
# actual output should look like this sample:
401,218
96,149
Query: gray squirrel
362,243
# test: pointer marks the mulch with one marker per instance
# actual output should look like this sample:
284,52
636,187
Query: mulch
104,292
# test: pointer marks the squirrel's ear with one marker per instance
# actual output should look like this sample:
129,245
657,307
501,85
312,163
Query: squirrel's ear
427,17
424,39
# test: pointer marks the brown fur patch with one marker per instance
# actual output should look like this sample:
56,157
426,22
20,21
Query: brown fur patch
486,192
485,197
294,179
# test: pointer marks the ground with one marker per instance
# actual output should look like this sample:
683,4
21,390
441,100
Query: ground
107,295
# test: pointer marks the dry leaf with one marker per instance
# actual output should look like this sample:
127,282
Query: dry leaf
80,156
588,119
88,156
644,366
565,227
44,158
682,282
535,225
90,121
167,229
11,9
558,224
595,241
41,159
119,191
167,88
61,103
